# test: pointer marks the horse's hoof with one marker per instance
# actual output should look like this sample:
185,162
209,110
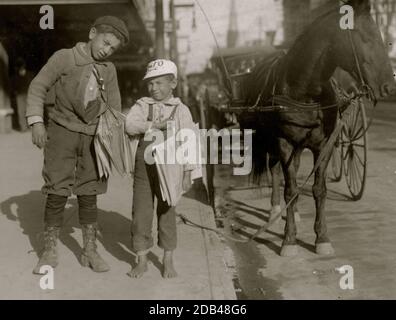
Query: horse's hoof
324,249
289,250
297,217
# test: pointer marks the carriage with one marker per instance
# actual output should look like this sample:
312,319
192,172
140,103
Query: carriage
293,102
221,106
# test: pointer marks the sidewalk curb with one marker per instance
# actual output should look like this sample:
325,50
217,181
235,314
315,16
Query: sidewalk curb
220,279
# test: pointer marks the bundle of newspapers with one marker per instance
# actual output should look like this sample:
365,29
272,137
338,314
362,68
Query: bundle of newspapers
112,145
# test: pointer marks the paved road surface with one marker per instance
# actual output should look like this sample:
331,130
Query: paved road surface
363,233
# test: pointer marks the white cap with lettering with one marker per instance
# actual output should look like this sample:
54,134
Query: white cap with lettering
160,67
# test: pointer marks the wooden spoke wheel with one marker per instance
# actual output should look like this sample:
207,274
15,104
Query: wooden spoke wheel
354,149
336,162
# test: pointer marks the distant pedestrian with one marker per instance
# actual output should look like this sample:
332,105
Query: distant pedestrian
82,79
5,101
20,85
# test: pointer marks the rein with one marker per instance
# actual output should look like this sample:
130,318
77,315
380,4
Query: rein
284,103
367,89
287,104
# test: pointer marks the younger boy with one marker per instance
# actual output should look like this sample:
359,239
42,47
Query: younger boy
82,80
153,113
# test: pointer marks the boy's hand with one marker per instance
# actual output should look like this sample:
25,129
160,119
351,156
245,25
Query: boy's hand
162,125
39,135
187,181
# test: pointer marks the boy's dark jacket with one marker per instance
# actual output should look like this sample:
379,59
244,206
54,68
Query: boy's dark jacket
69,70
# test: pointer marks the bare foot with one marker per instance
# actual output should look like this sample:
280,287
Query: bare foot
169,269
141,267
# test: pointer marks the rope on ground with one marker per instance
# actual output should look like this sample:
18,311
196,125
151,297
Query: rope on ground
325,152
187,221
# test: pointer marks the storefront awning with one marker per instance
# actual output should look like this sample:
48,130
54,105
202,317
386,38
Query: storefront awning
55,2
21,33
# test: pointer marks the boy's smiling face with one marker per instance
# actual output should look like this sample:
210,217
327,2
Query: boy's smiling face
161,88
103,45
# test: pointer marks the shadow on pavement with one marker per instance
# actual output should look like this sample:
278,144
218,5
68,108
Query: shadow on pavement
198,192
331,193
28,211
269,243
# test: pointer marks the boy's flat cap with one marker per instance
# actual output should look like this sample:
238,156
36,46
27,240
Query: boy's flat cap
116,23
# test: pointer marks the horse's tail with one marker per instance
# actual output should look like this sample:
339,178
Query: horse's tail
263,140
259,88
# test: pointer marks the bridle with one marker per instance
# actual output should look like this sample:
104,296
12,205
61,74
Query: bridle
365,89
287,104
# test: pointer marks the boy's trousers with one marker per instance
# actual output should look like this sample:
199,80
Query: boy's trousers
145,187
70,167
70,163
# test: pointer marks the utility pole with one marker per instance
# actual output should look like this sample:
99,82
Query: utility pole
174,54
232,34
159,30
173,50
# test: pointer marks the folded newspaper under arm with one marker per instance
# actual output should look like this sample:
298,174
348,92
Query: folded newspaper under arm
170,173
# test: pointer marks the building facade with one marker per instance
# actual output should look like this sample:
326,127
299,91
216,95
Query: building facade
296,15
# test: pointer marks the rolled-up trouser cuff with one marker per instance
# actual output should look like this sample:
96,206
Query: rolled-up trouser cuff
141,243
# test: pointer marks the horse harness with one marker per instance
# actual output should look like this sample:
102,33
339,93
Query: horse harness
287,104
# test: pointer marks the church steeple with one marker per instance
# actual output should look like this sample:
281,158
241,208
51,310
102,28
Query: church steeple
232,34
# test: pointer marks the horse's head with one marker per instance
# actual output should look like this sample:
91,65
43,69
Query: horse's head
362,48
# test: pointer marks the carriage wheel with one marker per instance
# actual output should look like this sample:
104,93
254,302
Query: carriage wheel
354,150
336,162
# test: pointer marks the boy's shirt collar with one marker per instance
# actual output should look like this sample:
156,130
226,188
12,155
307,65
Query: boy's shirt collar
172,101
83,57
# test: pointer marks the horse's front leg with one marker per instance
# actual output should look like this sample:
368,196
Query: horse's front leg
274,166
296,161
289,245
319,190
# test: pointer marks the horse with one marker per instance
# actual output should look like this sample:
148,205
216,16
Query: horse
302,77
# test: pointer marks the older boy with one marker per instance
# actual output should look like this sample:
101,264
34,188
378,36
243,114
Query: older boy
153,113
82,79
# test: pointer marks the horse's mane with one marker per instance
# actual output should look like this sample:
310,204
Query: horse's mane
300,74
260,84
